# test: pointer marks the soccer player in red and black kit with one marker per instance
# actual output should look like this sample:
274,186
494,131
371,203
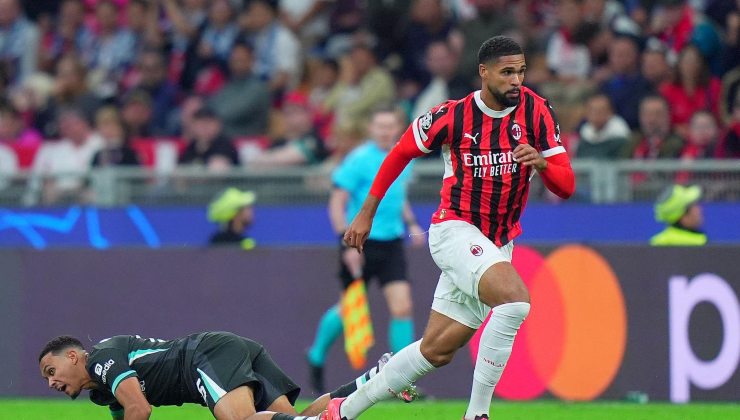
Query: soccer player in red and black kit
492,142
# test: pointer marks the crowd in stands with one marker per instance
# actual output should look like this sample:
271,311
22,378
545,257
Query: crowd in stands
266,83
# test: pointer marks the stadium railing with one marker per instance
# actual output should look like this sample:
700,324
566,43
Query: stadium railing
597,182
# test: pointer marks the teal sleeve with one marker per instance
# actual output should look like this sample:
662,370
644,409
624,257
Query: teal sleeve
346,176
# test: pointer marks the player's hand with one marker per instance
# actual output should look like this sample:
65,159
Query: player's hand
358,231
527,155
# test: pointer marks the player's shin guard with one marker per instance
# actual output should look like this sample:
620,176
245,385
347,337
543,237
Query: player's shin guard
496,342
401,371
330,328
400,333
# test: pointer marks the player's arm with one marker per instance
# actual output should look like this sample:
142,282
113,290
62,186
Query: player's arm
129,395
558,176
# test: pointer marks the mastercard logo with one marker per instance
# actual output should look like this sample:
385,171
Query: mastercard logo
573,341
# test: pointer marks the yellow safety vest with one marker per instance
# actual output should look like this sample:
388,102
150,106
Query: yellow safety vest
673,236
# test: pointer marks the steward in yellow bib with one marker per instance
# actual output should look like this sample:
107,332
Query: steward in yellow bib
679,208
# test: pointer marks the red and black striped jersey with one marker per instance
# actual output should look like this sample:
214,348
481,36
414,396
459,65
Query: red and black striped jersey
482,184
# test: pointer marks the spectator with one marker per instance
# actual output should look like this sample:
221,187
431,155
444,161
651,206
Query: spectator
626,87
71,35
729,147
363,85
731,47
152,69
692,89
277,51
142,22
56,175
446,82
703,136
46,28
603,135
308,19
31,98
116,150
70,90
13,131
347,18
323,74
187,23
609,14
208,147
429,21
678,207
112,50
233,210
19,41
384,18
566,58
219,35
655,139
730,90
137,112
494,17
654,67
344,138
299,144
243,104
180,122
8,165
678,24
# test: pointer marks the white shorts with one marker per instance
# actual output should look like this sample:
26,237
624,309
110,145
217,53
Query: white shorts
463,254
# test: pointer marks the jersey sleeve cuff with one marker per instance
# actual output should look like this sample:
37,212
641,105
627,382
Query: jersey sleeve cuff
552,152
119,378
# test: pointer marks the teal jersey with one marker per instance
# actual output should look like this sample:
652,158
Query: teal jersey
356,174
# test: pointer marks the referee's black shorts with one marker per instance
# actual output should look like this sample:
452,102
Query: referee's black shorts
384,260
224,361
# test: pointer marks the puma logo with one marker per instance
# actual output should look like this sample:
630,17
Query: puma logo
468,136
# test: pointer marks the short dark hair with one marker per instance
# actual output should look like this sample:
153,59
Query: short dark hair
242,42
389,108
496,47
59,344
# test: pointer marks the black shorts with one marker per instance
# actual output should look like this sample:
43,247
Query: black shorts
384,260
223,362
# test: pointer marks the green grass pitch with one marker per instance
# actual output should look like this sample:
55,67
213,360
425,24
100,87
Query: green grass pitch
31,409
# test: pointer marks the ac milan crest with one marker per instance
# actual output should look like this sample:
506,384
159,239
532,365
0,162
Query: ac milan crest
516,131
476,250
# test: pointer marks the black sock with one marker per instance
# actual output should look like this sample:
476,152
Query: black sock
344,390
280,416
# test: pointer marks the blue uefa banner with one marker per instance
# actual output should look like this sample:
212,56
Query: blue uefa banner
156,227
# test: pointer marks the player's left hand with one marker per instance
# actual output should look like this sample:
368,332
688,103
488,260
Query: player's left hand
527,155
358,231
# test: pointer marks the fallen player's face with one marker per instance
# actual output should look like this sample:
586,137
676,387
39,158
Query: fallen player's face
61,373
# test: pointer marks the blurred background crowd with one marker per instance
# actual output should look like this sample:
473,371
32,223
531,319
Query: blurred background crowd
221,84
